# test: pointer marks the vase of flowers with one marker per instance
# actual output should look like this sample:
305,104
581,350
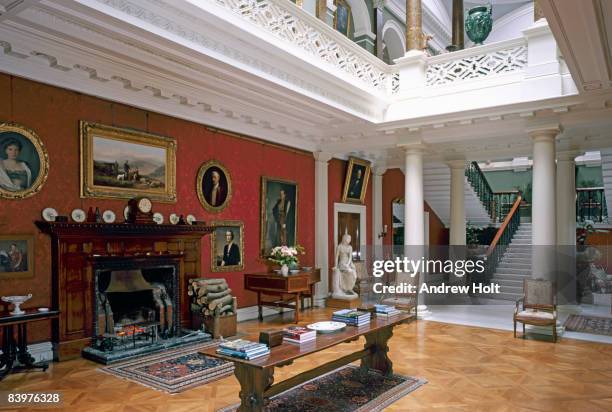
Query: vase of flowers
286,256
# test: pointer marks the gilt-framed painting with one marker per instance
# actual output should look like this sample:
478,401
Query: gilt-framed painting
356,181
342,17
214,186
124,163
227,246
24,162
279,214
16,256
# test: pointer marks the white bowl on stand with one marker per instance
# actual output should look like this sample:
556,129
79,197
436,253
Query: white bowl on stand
17,301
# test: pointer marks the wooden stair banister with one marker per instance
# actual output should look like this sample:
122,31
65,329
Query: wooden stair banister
504,225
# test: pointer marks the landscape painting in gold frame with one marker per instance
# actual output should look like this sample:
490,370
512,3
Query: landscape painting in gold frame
124,163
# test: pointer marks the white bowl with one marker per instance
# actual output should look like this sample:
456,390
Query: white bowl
17,301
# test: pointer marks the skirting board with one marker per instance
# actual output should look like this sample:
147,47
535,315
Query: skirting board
42,351
251,312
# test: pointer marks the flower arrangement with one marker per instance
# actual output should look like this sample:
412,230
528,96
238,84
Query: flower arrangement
286,255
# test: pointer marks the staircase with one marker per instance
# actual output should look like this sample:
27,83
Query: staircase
436,182
606,172
514,266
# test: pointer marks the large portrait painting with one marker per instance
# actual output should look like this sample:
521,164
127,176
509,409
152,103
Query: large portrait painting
24,162
124,163
16,256
214,186
356,182
342,17
227,246
278,214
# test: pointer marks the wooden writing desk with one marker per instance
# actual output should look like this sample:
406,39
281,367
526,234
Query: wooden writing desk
298,286
256,377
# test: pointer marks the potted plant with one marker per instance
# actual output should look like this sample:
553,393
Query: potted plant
286,256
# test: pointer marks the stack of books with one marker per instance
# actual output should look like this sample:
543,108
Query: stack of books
352,317
386,311
298,334
243,349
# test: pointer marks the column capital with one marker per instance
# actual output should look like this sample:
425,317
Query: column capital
412,148
322,156
545,132
379,170
568,155
456,163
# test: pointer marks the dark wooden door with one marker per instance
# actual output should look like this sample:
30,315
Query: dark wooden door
350,223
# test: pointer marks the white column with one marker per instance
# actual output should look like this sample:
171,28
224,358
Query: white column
377,208
544,210
566,198
566,231
414,218
457,202
414,224
321,225
544,199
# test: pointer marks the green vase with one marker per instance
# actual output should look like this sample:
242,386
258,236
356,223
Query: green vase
478,23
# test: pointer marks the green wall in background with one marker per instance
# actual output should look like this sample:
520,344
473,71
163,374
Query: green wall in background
505,180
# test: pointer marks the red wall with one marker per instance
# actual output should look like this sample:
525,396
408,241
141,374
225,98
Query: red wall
393,187
54,114
336,176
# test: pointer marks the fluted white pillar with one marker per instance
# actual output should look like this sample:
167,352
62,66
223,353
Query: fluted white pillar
377,208
544,199
321,225
457,202
414,218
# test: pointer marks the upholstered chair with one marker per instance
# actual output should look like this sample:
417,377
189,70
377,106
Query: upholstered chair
539,305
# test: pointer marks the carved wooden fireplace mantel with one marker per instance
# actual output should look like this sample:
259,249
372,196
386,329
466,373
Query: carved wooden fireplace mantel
77,247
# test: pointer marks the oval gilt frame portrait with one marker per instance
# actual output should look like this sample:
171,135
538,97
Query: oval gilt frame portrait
24,162
210,174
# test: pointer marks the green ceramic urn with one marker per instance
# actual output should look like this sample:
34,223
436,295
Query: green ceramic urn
478,23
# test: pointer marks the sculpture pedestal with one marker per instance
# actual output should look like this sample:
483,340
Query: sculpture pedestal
343,303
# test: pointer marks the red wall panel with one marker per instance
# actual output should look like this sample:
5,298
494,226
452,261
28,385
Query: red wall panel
54,114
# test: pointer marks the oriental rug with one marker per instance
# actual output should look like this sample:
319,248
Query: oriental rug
342,390
173,371
589,324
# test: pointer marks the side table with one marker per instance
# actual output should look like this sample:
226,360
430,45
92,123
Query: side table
17,350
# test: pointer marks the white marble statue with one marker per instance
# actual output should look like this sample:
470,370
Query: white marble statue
344,273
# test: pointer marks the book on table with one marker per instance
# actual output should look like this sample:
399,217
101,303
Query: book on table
385,311
243,349
298,334
351,317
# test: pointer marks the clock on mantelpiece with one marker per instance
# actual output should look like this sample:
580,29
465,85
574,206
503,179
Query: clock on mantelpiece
140,210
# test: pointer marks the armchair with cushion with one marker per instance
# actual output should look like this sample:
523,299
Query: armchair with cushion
539,305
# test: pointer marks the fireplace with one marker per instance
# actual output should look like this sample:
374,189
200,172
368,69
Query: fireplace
136,307
128,298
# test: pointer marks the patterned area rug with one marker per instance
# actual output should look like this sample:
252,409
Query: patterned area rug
342,390
589,324
173,371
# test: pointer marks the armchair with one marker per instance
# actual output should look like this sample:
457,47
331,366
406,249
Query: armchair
539,305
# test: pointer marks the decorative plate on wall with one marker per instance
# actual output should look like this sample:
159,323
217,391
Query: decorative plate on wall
78,215
108,216
158,218
174,218
49,214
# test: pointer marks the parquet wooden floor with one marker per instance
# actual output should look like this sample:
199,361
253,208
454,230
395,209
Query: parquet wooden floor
468,369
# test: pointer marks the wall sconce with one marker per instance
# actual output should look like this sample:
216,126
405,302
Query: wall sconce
384,232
